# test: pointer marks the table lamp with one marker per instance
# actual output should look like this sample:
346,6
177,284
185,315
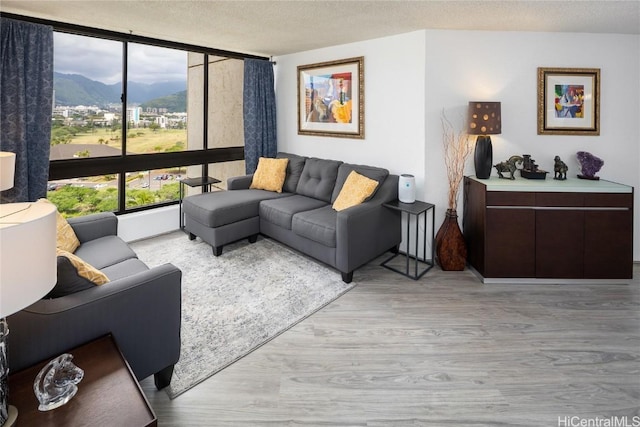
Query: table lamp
7,169
27,266
484,120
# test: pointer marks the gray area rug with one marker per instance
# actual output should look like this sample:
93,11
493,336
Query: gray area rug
237,302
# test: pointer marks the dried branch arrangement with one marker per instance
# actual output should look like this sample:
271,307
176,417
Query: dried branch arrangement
456,152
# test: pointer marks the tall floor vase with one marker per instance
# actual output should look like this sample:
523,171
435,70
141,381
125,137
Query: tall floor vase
451,250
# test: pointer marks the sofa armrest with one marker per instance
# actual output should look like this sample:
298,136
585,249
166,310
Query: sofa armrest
367,230
239,182
94,226
142,311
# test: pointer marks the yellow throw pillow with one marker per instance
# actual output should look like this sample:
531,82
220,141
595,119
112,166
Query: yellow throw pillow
355,190
66,238
84,269
270,174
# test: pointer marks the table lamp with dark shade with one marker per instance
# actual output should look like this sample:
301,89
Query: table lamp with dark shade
484,120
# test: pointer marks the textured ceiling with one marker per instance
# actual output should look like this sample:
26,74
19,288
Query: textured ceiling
273,28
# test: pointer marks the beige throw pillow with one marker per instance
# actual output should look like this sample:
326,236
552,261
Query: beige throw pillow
355,190
84,269
66,238
270,174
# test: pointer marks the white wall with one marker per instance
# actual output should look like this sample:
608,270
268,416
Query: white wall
149,223
459,69
394,88
411,78
394,105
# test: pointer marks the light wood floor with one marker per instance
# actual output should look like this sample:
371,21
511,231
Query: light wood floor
443,351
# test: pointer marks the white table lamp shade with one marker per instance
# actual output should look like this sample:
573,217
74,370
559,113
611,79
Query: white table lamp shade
7,169
27,254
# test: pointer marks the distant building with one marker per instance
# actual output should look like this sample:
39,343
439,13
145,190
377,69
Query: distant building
162,121
156,110
133,115
109,117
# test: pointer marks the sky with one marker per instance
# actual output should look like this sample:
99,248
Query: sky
101,60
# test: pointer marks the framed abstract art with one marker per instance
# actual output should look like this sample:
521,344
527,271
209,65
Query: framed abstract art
568,101
331,98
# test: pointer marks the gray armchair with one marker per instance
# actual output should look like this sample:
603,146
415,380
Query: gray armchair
140,307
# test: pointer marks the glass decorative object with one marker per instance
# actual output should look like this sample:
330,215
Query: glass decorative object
4,373
57,382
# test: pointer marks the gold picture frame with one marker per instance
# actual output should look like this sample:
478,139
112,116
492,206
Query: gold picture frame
568,101
331,98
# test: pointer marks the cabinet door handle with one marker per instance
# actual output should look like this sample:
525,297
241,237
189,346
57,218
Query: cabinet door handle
560,208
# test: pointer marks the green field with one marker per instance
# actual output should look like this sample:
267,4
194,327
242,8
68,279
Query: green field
140,141
82,197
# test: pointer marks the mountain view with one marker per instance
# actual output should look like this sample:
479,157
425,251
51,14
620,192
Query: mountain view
74,89
175,103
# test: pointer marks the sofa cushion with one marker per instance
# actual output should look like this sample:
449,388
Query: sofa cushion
226,207
318,225
84,269
355,190
378,174
294,171
124,269
270,174
281,211
105,251
318,178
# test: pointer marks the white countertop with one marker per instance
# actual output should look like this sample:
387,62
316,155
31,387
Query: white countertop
570,185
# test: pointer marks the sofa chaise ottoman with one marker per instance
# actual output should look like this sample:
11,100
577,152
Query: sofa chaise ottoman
302,214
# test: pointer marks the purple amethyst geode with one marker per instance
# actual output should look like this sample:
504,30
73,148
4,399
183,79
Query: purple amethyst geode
590,164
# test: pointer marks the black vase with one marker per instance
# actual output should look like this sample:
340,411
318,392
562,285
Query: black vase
483,157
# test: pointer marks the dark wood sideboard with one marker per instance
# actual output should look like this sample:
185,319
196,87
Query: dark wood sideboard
548,230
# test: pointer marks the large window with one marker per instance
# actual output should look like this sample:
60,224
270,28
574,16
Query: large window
156,116
87,109
132,116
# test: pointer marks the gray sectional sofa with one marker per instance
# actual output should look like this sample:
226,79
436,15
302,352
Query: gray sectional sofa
139,306
302,216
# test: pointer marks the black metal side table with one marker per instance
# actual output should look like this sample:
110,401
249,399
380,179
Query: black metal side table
416,209
194,182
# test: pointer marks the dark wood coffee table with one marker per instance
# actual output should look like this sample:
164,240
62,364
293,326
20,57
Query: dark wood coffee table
108,395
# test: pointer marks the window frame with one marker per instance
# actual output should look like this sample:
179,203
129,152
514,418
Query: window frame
122,164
